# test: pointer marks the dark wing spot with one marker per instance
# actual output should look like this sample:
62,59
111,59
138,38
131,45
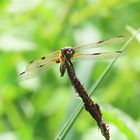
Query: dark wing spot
43,57
41,66
119,51
57,61
22,73
100,41
31,62
96,53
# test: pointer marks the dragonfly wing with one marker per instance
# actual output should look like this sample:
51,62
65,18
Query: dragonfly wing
35,68
42,61
29,74
95,56
118,39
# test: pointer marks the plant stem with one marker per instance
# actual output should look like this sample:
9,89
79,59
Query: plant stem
90,106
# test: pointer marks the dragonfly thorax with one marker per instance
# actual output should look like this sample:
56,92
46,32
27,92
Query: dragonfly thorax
67,52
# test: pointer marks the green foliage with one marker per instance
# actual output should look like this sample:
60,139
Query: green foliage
37,109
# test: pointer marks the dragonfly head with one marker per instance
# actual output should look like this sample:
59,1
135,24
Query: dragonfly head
68,52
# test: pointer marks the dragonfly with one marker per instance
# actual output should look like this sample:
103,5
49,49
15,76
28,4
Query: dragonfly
38,65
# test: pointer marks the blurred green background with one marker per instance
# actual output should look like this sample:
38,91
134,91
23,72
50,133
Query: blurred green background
38,108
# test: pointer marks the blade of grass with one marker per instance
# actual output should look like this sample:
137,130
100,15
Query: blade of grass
61,135
63,132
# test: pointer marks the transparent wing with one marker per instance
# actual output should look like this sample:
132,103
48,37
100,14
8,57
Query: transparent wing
38,67
118,39
42,61
95,56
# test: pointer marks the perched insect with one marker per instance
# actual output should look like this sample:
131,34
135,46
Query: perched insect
43,63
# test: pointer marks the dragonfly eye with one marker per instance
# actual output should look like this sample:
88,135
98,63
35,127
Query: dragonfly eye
69,52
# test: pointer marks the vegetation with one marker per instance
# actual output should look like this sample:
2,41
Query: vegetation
46,107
